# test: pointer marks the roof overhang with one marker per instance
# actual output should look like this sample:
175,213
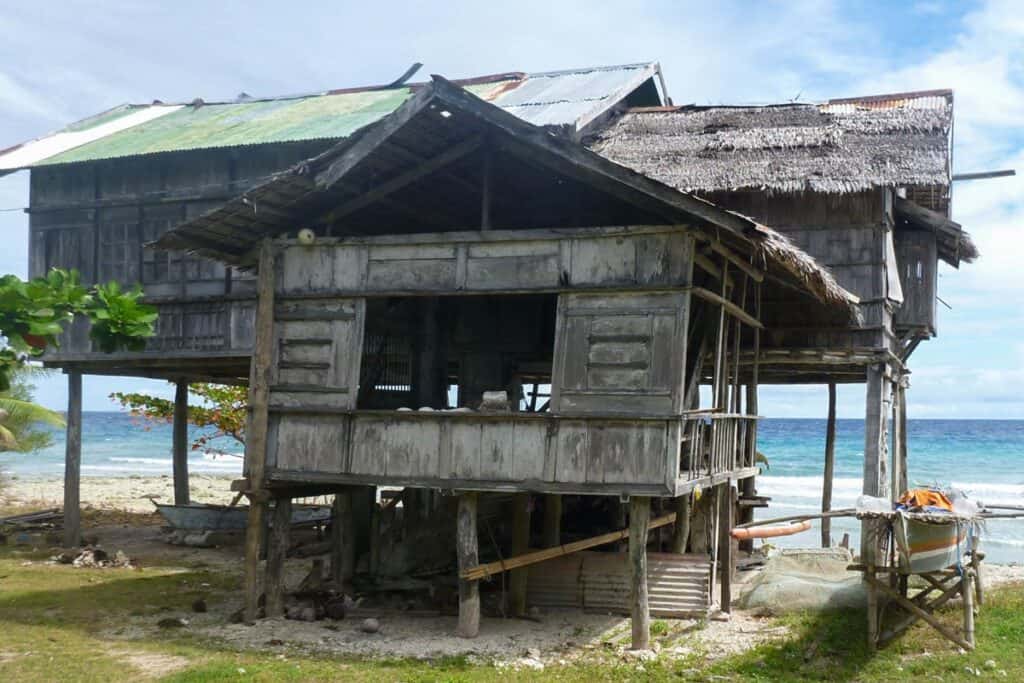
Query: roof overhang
429,157
954,244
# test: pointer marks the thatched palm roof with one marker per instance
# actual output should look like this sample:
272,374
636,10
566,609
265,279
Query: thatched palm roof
842,146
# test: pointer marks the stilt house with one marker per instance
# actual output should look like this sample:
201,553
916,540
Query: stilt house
400,272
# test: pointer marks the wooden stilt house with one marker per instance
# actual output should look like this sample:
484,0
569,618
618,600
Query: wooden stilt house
509,256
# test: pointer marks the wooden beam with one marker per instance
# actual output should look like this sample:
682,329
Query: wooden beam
984,175
179,443
277,548
639,521
681,532
409,177
552,520
756,274
343,539
920,613
520,545
726,510
731,308
830,465
491,568
256,433
73,463
468,558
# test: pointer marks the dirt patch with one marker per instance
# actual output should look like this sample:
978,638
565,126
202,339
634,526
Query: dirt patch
150,665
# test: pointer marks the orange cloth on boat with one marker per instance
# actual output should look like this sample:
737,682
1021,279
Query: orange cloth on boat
922,498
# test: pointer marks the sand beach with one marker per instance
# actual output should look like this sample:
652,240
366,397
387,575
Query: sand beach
131,493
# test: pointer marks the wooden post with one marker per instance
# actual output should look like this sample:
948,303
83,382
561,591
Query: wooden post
343,540
639,518
277,549
375,538
967,592
902,441
726,506
875,450
520,545
681,532
552,520
179,444
830,467
256,433
872,594
468,557
73,463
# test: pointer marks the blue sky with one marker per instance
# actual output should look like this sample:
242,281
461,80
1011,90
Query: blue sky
62,61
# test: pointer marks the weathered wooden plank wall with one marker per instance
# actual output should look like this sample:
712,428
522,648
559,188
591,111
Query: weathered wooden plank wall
499,452
98,216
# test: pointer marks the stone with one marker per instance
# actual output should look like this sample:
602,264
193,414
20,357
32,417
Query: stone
199,605
172,622
335,609
369,625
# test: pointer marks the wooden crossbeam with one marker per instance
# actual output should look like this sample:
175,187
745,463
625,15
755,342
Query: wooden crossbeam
919,612
388,187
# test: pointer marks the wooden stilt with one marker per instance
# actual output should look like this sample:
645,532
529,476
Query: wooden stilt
520,545
967,592
256,432
375,539
639,518
902,445
681,532
277,549
73,463
725,556
830,467
468,557
343,540
179,444
875,451
898,476
552,520
872,594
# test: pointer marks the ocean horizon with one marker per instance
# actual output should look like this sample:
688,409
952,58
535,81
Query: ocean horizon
984,458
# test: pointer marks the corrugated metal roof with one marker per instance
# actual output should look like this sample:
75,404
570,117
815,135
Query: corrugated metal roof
551,98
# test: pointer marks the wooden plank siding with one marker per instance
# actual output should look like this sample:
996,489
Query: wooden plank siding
511,451
615,419
97,217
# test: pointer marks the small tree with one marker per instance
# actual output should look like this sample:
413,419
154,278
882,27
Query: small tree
20,417
34,313
223,407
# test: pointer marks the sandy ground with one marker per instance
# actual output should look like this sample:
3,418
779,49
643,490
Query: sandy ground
557,637
131,493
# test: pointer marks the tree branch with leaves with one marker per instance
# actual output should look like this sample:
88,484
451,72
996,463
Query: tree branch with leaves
222,407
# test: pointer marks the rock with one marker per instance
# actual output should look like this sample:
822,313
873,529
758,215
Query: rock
533,653
172,622
534,612
199,605
121,559
275,642
65,557
369,625
307,614
990,664
640,655
335,609
721,616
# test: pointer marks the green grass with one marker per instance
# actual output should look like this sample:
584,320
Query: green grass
63,623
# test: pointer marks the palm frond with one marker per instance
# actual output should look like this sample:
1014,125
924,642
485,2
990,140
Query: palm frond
27,412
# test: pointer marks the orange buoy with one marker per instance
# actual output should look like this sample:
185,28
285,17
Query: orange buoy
770,531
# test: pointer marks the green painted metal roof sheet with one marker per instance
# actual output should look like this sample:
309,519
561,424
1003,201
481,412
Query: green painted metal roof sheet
551,98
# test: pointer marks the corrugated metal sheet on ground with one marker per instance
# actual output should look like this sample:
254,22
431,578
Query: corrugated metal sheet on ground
678,585
563,97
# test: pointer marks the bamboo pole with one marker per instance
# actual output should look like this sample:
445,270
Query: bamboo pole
845,512
484,570
830,467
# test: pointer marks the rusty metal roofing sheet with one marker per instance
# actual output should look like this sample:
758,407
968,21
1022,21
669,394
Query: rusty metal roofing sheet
562,97
677,585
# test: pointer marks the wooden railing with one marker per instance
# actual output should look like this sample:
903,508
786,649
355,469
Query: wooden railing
716,443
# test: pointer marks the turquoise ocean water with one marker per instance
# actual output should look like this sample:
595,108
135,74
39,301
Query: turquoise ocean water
985,458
